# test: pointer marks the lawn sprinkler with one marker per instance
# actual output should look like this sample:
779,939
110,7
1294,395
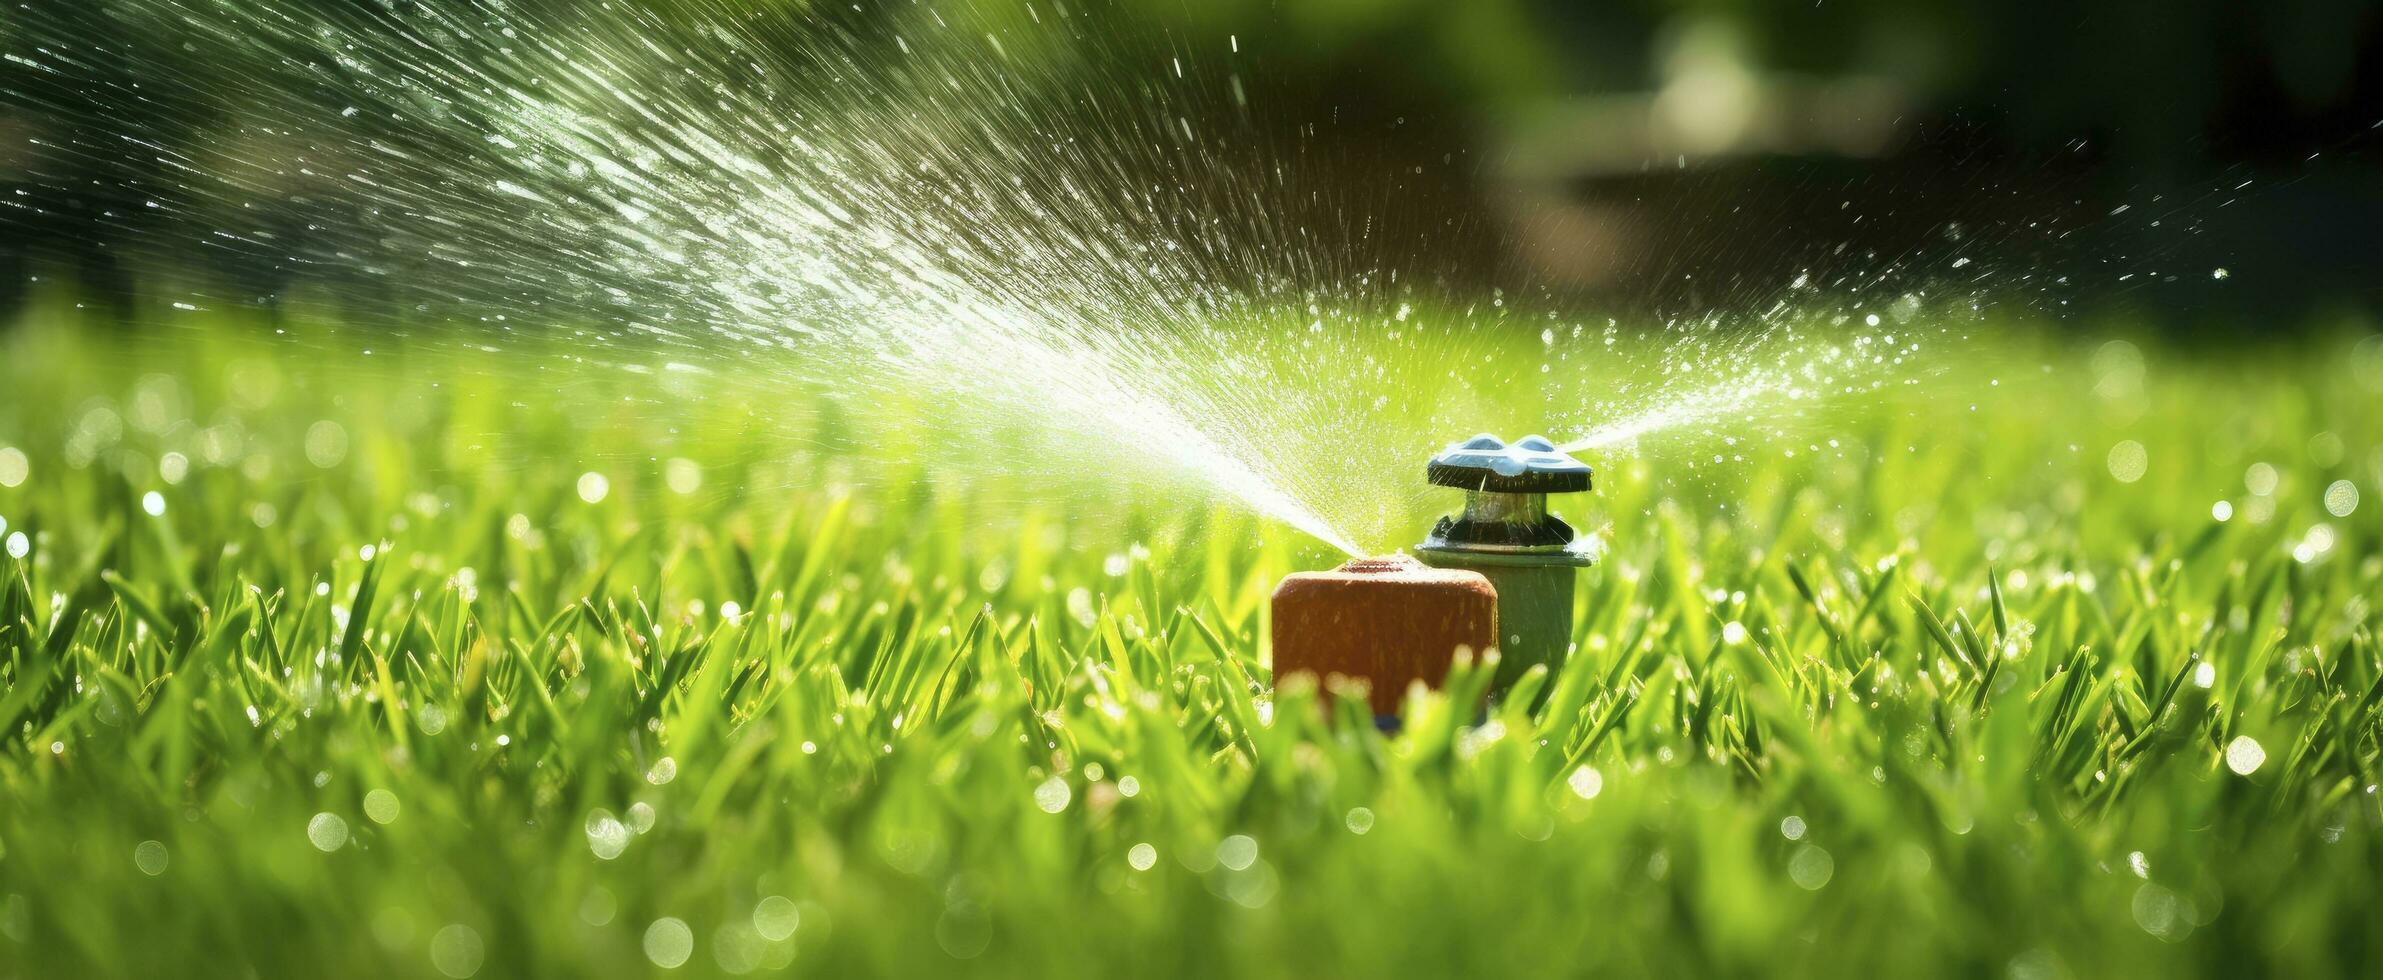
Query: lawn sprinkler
1507,535
1390,621
1499,574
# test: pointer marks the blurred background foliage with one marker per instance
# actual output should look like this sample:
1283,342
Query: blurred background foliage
1673,154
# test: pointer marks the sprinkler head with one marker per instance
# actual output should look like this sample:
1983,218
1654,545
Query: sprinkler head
1506,533
1506,490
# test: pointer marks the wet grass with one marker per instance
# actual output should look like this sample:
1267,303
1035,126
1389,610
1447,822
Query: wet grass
381,683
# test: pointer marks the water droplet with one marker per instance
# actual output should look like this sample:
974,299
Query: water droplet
380,806
1811,868
683,476
18,545
2128,461
1360,821
153,503
2261,479
668,942
1586,782
2245,755
2161,912
1792,828
664,770
14,467
598,906
326,444
1237,852
150,856
457,952
776,917
607,836
327,831
1142,856
1052,795
2341,498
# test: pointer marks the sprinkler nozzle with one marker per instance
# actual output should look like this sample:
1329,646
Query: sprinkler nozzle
1506,490
1506,533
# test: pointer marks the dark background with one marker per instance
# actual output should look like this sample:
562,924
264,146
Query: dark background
1666,155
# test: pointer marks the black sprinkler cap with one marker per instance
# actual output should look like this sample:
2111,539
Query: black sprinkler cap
1530,465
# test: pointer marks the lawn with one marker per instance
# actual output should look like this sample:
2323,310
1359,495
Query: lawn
434,661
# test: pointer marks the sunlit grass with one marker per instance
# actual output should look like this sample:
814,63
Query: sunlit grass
421,664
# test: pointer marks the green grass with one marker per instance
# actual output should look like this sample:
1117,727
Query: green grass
1946,698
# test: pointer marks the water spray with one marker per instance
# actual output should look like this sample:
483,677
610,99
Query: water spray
1499,575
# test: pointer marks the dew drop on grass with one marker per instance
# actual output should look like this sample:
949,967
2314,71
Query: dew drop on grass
381,806
1586,782
1811,868
1052,795
2341,498
327,831
593,487
1142,856
1360,821
153,504
683,476
150,856
1792,828
326,444
598,906
664,770
738,949
607,836
2262,479
2161,912
1237,852
14,467
1129,787
2245,755
457,952
18,545
2128,461
668,942
776,917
